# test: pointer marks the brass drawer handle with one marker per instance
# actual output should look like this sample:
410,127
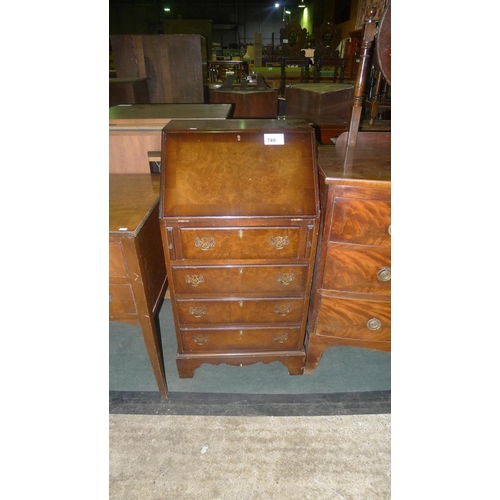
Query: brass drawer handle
200,339
282,310
195,279
280,337
279,242
204,243
197,312
285,278
384,274
373,324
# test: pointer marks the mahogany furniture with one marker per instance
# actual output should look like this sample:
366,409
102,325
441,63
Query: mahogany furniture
135,131
218,70
137,274
327,39
239,218
351,302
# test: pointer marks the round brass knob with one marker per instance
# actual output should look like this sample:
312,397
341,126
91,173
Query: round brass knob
384,274
373,324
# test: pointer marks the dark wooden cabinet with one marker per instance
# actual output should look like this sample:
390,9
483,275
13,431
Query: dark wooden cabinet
239,216
351,302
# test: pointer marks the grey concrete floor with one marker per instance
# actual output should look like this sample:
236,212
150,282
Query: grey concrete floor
287,458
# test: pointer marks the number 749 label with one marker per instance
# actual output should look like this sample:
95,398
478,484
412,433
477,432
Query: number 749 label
274,139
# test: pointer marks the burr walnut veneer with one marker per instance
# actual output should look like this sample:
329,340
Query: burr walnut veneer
351,302
137,275
239,216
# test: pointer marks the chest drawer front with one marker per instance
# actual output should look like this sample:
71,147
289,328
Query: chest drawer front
354,319
241,340
240,279
365,222
121,299
240,311
117,264
240,243
361,269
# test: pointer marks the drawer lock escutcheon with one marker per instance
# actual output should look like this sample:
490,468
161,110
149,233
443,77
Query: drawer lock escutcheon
282,310
384,274
204,243
280,337
279,242
195,279
373,324
285,278
197,312
200,339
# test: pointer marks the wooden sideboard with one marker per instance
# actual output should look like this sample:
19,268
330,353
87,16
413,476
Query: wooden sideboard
351,302
239,218
135,131
137,274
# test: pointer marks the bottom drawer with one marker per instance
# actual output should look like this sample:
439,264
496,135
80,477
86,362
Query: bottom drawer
121,299
241,340
354,319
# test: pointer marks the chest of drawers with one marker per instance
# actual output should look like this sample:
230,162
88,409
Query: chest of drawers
351,304
239,215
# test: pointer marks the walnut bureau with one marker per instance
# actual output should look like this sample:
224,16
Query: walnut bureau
351,302
137,274
239,216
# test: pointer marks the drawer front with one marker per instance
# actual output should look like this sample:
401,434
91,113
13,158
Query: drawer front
240,243
241,340
240,279
354,319
121,299
117,263
240,311
360,269
361,221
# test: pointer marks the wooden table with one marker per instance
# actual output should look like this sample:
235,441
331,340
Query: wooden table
137,273
135,131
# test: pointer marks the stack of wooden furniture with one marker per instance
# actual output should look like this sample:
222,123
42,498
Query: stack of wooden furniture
239,220
351,303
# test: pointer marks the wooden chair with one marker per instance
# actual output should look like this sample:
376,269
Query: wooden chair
293,40
327,38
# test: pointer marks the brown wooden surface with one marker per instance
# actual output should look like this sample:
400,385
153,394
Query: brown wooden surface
240,223
352,272
137,273
173,64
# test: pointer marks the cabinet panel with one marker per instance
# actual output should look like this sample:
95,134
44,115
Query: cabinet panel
241,340
240,279
117,262
240,243
365,222
358,268
355,319
240,311
121,299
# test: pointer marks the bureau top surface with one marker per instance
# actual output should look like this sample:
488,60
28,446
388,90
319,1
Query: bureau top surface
355,166
158,113
264,125
132,198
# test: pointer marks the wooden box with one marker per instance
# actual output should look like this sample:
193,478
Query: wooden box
249,103
128,91
313,99
239,217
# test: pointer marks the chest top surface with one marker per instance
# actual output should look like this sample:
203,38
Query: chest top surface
132,198
241,168
355,166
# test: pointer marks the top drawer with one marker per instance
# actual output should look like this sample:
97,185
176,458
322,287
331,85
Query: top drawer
241,243
365,222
